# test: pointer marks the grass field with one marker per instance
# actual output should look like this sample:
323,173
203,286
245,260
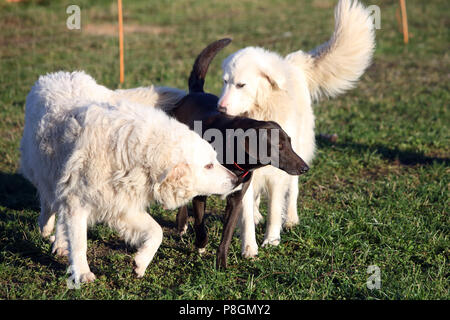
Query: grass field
378,196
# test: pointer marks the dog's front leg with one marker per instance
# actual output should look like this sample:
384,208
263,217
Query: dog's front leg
291,214
182,217
249,247
141,225
232,212
277,194
201,236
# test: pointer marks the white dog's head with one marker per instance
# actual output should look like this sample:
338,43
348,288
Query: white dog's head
249,75
197,172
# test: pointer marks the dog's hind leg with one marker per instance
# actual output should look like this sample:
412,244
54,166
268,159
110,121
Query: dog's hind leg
60,244
292,215
46,218
138,227
75,220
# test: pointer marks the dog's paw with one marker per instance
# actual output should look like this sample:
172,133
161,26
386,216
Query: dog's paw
271,241
75,279
250,251
257,217
182,232
141,262
62,252
52,239
45,233
87,277
201,250
140,271
290,223
60,248
221,260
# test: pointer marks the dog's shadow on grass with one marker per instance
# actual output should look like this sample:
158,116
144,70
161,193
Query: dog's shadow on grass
403,157
18,219
16,193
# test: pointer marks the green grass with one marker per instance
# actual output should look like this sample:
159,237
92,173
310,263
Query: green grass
378,196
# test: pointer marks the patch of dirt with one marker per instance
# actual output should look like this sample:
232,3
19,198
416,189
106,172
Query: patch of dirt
109,29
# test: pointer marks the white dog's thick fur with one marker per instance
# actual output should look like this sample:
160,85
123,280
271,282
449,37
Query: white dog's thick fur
265,86
94,157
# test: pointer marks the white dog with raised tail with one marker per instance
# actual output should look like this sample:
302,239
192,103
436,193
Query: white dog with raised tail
96,158
265,86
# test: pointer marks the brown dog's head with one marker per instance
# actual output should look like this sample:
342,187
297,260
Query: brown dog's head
273,146
288,160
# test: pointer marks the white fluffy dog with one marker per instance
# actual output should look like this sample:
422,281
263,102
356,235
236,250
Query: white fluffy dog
265,86
95,158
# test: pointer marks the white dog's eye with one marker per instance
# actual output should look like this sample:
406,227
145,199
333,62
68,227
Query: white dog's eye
240,85
209,166
225,81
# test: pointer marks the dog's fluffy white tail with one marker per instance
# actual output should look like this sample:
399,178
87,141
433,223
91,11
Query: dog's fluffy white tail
336,65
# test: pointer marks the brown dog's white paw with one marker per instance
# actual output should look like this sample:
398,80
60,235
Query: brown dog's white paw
183,231
201,250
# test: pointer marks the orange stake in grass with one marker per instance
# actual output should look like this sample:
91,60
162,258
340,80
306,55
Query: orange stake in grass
404,21
122,71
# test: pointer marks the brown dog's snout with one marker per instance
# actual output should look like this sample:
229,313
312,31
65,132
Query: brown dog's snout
303,168
296,167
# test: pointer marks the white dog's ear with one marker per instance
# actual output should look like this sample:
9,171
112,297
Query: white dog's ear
177,173
174,187
275,79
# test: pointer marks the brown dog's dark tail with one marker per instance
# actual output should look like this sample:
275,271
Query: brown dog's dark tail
201,64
